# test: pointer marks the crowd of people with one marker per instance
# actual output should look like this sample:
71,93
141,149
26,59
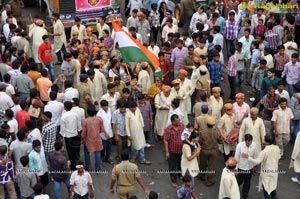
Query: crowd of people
106,105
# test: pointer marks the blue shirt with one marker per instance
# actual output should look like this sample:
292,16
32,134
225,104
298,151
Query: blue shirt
184,192
255,58
215,71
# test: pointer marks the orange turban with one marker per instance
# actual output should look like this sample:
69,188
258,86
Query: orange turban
228,106
231,162
176,81
94,49
183,72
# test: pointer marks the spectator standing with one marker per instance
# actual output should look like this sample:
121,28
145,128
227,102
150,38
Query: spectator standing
280,60
45,56
37,33
177,58
230,30
48,134
272,38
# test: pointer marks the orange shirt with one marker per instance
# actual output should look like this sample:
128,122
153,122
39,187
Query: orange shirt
22,117
43,85
34,75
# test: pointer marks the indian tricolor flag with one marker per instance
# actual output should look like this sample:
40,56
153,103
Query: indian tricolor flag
132,50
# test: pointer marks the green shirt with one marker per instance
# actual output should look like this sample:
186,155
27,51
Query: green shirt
241,55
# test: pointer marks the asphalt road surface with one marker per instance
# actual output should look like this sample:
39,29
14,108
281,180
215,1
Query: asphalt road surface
157,179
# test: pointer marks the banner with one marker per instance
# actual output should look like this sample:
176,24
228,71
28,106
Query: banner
87,5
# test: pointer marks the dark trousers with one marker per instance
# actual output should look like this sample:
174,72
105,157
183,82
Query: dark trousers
208,160
154,33
244,177
271,196
174,166
44,179
73,149
122,144
232,84
257,98
147,136
58,54
105,153
77,196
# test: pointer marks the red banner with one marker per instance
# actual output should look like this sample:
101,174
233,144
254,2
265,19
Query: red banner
86,5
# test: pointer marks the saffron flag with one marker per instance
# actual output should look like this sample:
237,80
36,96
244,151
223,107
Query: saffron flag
132,50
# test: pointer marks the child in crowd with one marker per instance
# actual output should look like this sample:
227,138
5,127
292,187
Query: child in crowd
187,132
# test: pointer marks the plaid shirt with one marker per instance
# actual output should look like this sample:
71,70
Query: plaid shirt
215,71
173,137
232,65
272,38
49,136
7,171
231,30
280,61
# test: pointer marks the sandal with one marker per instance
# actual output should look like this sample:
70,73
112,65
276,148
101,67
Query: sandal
147,162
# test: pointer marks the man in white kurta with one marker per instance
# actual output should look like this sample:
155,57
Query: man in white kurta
162,103
268,158
135,132
216,103
229,187
78,28
189,88
100,82
60,41
36,34
180,93
295,159
144,78
254,126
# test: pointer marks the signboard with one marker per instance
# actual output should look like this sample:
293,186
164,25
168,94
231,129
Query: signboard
87,5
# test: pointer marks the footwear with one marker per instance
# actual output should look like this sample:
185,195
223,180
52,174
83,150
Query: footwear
132,160
252,99
109,161
147,145
294,179
175,185
147,162
57,63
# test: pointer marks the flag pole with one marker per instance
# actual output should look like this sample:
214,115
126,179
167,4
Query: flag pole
127,70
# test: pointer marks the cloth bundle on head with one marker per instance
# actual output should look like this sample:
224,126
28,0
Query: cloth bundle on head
211,121
228,106
83,77
254,110
216,89
240,96
176,81
183,72
204,108
203,68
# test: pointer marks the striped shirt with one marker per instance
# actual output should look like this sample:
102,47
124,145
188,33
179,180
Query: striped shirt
232,66
272,38
118,118
7,171
280,61
173,137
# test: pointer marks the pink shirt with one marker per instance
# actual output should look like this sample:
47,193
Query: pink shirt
239,111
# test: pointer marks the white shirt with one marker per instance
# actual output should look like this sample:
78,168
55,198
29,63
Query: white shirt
56,108
196,19
134,4
101,28
218,39
81,183
283,94
70,124
15,109
13,126
112,101
80,112
5,102
155,50
6,30
43,196
10,90
244,163
35,134
71,93
106,117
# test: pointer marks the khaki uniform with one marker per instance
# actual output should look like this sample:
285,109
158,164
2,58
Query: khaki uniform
201,123
197,108
209,149
125,175
202,83
84,94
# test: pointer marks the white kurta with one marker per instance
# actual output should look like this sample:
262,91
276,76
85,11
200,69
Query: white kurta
36,34
228,186
296,154
268,158
216,107
59,41
76,65
144,80
161,116
189,88
135,128
226,125
81,31
182,93
255,128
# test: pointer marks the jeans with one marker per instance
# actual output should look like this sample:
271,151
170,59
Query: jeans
271,196
88,159
244,177
232,84
50,68
298,176
77,196
290,89
105,153
140,152
229,43
296,130
23,96
240,78
57,186
58,54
